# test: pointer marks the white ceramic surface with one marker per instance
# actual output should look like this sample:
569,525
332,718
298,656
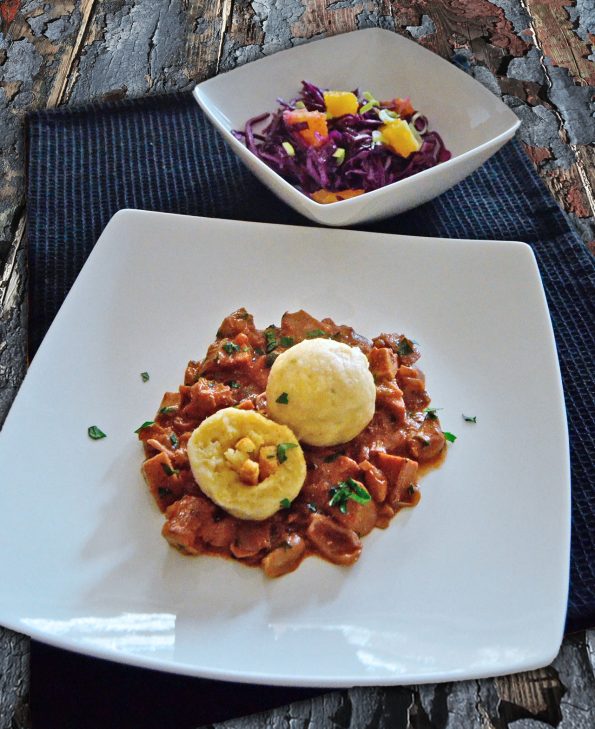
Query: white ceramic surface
472,121
472,582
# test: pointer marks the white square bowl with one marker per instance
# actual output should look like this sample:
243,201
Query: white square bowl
473,122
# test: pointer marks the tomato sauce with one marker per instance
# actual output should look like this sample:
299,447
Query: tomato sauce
349,489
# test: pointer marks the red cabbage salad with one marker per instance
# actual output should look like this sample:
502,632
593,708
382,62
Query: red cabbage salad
333,145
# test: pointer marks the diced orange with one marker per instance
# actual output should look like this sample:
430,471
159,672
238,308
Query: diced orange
326,196
339,103
398,136
403,107
317,130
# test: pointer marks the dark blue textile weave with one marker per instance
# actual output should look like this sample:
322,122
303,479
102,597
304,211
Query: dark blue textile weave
160,153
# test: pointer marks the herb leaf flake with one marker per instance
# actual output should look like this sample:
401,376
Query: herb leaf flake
405,347
231,347
345,491
431,413
95,433
146,424
282,449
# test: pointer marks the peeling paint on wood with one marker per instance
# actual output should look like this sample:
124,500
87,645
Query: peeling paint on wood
559,41
537,55
8,12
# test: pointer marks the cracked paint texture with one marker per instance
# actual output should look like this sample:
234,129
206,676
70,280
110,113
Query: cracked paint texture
537,55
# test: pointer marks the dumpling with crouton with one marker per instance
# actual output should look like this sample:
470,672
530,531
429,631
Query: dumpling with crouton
247,464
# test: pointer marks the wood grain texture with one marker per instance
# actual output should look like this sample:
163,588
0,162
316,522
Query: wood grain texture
537,55
561,695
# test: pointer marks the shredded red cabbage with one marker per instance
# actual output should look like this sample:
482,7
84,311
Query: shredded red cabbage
366,165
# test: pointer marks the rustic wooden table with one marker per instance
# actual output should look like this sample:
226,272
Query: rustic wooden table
536,54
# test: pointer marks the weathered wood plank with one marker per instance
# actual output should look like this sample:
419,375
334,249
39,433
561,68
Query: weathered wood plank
534,53
561,695
135,49
14,681
557,38
36,47
511,49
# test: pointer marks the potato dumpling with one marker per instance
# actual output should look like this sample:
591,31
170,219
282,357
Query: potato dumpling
246,463
323,390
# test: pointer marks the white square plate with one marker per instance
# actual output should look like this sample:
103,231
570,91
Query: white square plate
472,582
471,120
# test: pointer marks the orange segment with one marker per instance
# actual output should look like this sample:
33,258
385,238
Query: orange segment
317,130
399,137
339,103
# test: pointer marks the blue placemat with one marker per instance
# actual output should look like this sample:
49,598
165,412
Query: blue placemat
160,153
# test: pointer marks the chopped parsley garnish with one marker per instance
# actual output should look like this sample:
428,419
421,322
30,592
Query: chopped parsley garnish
282,449
312,507
271,359
230,347
411,489
168,409
146,424
144,376
173,439
259,351
469,418
285,504
315,333
286,341
346,490
450,437
431,413
95,433
283,398
233,384
333,457
425,441
164,492
271,340
405,347
169,471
